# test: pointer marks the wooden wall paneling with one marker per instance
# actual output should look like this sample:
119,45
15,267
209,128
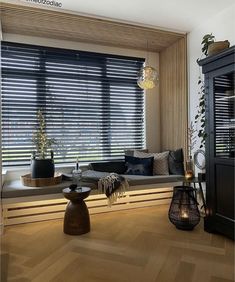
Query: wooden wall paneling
20,19
173,96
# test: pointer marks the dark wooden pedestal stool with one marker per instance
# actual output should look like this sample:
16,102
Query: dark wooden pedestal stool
76,219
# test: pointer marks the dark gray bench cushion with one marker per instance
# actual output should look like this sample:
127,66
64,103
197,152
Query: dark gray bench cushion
13,189
134,180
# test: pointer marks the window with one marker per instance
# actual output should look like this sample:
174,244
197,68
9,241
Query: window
91,102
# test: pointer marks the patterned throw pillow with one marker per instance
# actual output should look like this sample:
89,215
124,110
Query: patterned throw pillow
130,152
160,163
139,166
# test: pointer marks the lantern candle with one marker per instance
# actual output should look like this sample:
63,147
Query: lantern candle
183,212
184,215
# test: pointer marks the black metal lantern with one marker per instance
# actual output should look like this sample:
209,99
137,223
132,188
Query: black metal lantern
183,212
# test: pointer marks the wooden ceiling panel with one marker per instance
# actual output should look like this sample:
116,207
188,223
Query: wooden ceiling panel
59,25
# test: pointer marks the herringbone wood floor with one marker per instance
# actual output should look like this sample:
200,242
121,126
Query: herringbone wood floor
129,246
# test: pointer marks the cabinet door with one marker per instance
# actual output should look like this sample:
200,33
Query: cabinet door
221,148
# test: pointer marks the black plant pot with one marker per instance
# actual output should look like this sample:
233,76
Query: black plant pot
43,168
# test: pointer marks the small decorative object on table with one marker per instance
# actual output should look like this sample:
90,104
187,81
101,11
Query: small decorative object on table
76,218
73,187
183,212
77,174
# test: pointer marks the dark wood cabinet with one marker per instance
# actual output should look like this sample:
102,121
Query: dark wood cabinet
219,72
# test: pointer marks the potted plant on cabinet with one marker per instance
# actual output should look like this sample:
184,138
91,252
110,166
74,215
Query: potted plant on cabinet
41,165
211,47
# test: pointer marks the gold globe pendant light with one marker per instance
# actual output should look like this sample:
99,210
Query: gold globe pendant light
147,76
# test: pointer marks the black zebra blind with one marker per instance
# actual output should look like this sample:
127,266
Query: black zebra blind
91,102
225,115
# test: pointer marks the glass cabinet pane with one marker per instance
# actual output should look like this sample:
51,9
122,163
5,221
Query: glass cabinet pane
224,116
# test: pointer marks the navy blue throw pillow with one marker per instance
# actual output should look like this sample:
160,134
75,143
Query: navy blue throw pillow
139,166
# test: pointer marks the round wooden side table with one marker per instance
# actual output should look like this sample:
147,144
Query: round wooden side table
76,219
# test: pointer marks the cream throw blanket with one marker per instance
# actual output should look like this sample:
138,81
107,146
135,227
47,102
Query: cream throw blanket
114,187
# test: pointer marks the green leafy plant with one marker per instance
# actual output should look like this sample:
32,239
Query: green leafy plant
206,41
200,118
40,139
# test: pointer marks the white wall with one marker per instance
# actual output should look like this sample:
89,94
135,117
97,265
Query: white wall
152,114
222,26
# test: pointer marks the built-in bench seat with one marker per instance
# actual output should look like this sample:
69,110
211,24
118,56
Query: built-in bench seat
23,204
14,189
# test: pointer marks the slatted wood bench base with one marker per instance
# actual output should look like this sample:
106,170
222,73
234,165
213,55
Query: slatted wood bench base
38,208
